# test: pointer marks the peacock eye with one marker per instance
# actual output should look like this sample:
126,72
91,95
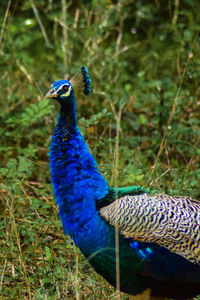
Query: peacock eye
65,88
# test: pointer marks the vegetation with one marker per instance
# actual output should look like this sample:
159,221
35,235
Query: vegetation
143,58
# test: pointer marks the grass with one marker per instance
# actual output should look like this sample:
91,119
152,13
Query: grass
153,75
38,261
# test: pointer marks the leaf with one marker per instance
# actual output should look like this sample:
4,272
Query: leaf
48,254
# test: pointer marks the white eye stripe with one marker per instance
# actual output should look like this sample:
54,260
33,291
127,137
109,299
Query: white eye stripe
60,88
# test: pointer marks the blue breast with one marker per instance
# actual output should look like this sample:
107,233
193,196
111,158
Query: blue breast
76,180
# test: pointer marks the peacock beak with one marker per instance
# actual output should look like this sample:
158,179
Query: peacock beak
51,94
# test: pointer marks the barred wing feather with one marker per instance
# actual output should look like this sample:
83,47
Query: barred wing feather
170,222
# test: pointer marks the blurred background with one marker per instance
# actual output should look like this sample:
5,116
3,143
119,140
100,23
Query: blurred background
144,60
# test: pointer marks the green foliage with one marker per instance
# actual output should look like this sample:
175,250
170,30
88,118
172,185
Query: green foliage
138,54
94,120
34,112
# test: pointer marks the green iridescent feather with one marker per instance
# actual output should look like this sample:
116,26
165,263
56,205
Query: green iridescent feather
113,194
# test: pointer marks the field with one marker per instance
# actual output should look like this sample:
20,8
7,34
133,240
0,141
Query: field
144,60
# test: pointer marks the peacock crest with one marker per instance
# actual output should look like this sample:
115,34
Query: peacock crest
82,81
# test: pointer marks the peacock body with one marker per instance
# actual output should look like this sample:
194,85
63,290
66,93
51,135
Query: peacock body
159,241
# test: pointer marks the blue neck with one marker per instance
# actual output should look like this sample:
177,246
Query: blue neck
76,179
67,121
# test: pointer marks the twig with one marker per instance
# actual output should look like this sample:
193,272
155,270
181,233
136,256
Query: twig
24,71
163,141
4,267
40,24
77,271
116,176
77,13
175,16
4,21
64,31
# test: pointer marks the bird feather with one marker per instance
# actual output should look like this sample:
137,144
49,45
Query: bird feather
170,222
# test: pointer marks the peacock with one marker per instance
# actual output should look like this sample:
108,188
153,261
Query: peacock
159,235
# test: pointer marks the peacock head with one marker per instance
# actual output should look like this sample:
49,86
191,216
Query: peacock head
60,90
63,90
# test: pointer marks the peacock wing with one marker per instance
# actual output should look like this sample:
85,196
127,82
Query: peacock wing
170,222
